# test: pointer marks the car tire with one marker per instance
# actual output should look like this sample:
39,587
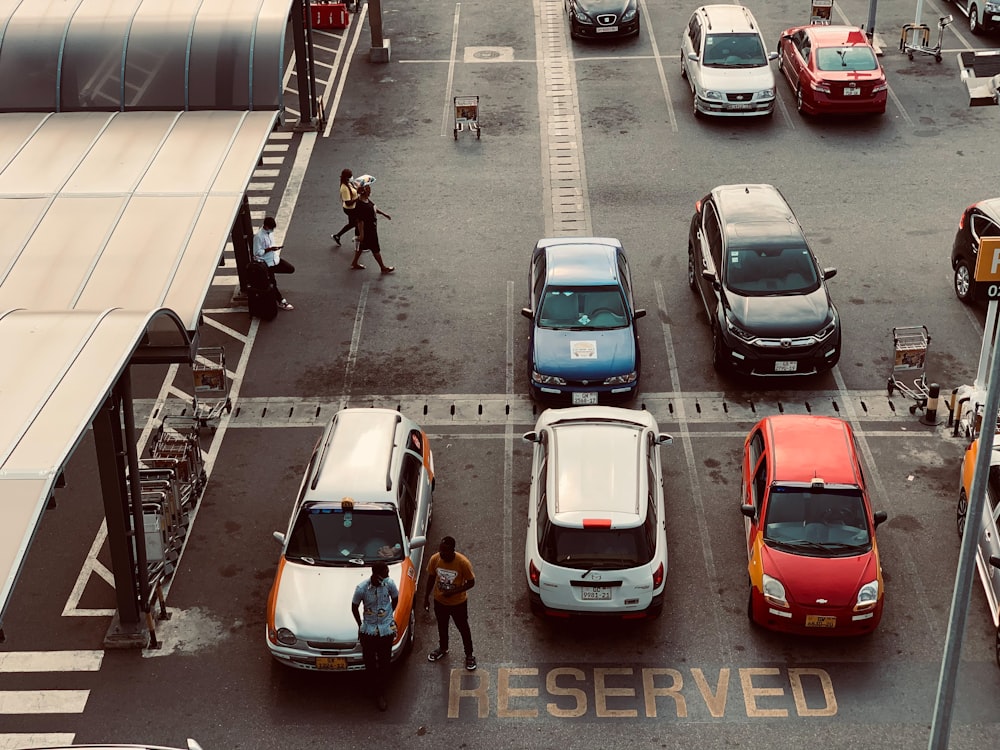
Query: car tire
684,73
692,280
750,606
411,634
962,512
963,281
799,105
974,26
998,647
781,65
718,356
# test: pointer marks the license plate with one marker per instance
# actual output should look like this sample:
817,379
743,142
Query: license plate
584,399
331,662
606,29
786,366
741,106
591,594
852,92
821,621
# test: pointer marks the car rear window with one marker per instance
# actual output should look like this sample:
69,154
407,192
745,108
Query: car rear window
734,51
332,536
583,308
845,59
821,522
597,549
757,272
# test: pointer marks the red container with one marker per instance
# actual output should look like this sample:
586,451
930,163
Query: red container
329,15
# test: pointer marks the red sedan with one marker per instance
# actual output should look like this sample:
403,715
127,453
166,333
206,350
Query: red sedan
812,557
832,69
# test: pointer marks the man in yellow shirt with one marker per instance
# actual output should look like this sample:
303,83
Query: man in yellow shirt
449,577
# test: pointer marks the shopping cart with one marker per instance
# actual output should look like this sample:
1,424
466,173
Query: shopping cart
211,385
466,115
909,375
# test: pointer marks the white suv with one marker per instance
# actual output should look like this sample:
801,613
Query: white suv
596,541
726,63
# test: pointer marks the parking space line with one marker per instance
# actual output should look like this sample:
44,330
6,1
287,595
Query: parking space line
659,69
446,119
508,484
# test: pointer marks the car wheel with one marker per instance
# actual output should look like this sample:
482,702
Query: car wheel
998,647
798,100
718,355
411,634
750,606
684,72
692,279
974,26
963,281
781,64
963,511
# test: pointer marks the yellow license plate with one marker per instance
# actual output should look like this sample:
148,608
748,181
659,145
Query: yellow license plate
820,621
331,662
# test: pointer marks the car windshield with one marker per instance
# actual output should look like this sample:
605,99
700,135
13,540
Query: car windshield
734,51
758,272
845,59
583,308
816,521
332,536
597,549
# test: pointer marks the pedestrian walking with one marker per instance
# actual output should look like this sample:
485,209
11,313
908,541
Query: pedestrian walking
269,254
449,577
366,213
348,200
376,598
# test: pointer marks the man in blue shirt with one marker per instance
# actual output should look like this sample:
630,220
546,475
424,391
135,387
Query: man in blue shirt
377,598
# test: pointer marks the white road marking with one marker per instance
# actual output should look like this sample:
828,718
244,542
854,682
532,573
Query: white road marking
43,701
22,741
50,661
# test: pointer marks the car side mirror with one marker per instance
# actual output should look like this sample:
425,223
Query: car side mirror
417,542
773,55
279,536
829,273
709,275
880,517
640,313
749,511
664,439
995,561
526,312
531,437
693,56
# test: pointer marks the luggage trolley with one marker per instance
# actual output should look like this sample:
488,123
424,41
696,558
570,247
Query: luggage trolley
909,361
916,37
211,385
466,115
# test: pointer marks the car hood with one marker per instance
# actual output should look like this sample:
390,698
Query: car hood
781,316
737,79
315,602
584,354
808,579
595,7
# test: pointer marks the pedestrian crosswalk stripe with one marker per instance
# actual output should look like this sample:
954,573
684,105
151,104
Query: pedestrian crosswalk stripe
43,701
20,741
51,661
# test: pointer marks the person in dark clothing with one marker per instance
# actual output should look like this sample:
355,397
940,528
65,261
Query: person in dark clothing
367,214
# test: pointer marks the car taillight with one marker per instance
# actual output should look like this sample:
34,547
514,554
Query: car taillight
697,206
961,220
658,576
822,87
534,574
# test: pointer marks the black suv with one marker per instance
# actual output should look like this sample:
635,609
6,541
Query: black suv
978,220
764,293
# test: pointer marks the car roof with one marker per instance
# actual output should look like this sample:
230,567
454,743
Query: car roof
835,36
583,262
804,447
990,207
728,17
756,215
597,465
356,457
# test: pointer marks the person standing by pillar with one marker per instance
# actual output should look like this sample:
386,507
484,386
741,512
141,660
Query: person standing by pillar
449,577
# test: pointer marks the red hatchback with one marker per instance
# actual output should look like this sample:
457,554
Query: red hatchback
810,530
832,69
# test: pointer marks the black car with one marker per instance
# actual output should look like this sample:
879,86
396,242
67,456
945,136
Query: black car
593,19
978,220
763,291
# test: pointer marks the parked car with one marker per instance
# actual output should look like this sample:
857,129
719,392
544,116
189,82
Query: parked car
583,347
832,69
983,15
591,19
763,291
366,497
726,63
988,541
981,219
813,560
596,540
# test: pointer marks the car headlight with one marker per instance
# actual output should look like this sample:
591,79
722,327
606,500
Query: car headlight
630,12
582,17
993,7
717,95
285,637
774,592
766,94
547,379
867,596
828,330
629,377
739,332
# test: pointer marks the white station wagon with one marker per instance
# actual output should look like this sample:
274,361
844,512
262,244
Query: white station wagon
596,541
